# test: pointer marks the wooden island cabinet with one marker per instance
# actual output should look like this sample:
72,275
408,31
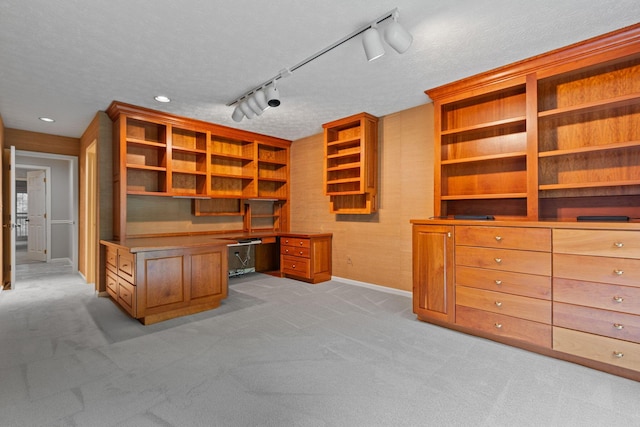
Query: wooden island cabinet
535,240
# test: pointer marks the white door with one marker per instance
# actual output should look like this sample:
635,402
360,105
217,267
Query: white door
36,217
12,226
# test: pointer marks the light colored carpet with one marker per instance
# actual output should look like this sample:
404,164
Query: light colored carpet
277,353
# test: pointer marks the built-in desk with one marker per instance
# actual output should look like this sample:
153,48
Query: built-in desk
159,278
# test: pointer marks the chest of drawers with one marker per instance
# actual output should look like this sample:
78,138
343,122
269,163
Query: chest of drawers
306,257
571,291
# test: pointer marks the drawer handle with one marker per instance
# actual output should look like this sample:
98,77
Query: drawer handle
498,325
301,242
498,238
618,244
293,266
498,304
618,326
618,272
125,265
618,299
301,252
618,354
498,260
498,282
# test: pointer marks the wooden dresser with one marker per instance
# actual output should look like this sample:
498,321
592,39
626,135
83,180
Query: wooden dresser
570,290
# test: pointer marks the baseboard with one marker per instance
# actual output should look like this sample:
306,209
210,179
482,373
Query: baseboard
372,286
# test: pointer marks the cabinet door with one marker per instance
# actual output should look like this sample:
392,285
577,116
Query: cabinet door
433,259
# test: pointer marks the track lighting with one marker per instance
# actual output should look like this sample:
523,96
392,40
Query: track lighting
273,96
396,36
267,95
372,43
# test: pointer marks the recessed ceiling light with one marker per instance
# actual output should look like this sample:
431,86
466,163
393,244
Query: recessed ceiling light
162,98
46,119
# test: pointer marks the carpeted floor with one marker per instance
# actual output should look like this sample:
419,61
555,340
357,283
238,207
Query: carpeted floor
277,353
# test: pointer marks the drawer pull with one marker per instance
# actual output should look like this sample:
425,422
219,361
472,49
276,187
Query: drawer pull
498,238
293,266
618,244
618,299
301,252
618,354
301,243
618,326
498,260
498,304
498,282
618,272
498,325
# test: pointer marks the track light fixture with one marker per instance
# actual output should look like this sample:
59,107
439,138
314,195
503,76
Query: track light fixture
266,95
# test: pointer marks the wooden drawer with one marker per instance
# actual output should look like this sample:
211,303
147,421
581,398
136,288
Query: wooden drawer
531,239
111,258
505,259
505,326
610,243
296,266
112,284
294,241
527,285
603,349
625,299
125,265
621,271
127,296
511,305
602,322
295,251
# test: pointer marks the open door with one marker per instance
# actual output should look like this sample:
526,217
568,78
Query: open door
9,218
36,217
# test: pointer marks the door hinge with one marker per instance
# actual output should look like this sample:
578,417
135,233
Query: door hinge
45,251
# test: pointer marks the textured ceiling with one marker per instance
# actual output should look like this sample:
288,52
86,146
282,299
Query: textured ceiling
68,59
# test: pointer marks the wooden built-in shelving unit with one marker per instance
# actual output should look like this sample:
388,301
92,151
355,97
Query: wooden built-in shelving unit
552,137
351,164
227,172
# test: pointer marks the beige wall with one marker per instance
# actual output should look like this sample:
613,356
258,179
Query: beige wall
378,245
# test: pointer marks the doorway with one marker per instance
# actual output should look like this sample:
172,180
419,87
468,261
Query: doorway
61,204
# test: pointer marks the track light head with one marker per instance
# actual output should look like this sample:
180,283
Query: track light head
237,115
253,104
372,43
272,95
261,99
396,36
247,110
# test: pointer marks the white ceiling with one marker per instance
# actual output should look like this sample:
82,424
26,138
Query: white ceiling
68,59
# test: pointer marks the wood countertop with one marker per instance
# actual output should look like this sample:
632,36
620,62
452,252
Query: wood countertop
145,244
603,225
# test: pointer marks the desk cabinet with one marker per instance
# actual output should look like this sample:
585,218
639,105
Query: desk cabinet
153,285
306,257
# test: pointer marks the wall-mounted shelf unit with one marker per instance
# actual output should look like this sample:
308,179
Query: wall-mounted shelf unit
552,137
351,164
159,154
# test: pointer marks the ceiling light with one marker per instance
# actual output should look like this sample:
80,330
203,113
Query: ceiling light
253,104
273,96
396,36
162,98
238,114
372,43
46,119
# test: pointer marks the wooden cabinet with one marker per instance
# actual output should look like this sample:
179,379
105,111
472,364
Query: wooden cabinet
162,280
566,289
222,169
351,164
433,260
306,257
553,137
504,271
596,295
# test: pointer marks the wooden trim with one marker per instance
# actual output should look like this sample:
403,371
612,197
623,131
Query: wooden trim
42,142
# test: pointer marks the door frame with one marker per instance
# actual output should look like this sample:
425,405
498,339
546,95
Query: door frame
73,189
